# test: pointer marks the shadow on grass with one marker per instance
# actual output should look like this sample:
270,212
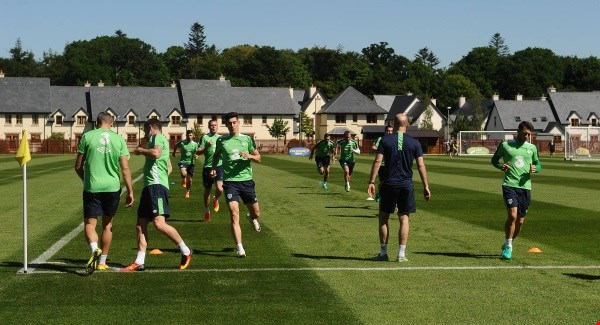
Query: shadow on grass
460,254
69,266
225,252
366,207
582,276
354,216
297,187
320,193
331,257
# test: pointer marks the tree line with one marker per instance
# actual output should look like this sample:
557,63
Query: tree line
376,70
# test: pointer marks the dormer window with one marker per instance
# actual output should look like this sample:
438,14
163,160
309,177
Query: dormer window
574,122
594,122
175,120
130,119
59,119
80,120
517,119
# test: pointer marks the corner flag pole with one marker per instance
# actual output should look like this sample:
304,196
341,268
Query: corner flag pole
23,156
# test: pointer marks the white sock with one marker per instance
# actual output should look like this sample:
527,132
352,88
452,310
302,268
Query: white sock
141,257
184,249
240,248
102,259
508,243
94,246
383,250
401,250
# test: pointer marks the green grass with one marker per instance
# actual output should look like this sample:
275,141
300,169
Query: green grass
310,264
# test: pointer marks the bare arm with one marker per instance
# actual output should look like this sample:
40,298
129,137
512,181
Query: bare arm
374,171
423,174
254,155
79,165
126,172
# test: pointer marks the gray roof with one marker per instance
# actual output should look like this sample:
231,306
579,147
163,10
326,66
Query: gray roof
340,130
384,101
468,109
202,83
582,103
69,100
351,101
25,95
512,112
143,100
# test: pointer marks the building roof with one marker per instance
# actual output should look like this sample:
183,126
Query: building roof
340,131
512,112
351,101
583,103
163,100
69,100
384,101
25,95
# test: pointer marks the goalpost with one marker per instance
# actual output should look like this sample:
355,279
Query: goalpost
582,143
482,143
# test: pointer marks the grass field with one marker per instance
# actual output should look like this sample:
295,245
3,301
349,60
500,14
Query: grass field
310,264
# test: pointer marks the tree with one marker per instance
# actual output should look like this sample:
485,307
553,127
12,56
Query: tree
388,69
278,129
307,126
426,123
427,57
497,43
22,63
196,44
452,87
480,66
175,58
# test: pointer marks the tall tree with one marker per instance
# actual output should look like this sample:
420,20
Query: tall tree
278,129
428,57
21,63
497,43
196,44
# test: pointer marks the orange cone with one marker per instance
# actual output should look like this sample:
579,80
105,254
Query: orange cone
534,250
156,251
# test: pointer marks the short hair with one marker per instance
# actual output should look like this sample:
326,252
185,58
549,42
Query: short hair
189,132
231,115
104,117
526,125
214,120
153,123
325,135
389,126
346,132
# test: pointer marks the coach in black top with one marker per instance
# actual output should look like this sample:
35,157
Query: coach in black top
398,150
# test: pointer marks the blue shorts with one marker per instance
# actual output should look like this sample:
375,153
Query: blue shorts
190,168
349,164
100,204
401,196
154,202
208,181
323,162
517,197
236,190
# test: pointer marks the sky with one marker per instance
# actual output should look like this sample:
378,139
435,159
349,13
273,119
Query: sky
448,28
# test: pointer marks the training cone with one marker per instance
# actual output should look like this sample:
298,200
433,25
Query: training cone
156,251
534,250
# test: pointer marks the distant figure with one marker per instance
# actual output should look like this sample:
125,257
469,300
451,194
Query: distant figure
519,160
347,148
552,147
207,147
322,152
186,161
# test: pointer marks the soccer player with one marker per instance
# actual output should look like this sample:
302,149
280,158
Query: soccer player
389,129
101,154
207,147
237,151
519,160
347,148
154,202
322,152
399,150
186,161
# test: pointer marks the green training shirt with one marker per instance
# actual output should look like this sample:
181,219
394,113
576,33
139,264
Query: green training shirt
520,157
236,168
323,148
347,147
156,171
188,150
102,150
209,153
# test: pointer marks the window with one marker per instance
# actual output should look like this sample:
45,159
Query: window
593,138
59,119
81,120
557,139
222,119
517,119
264,119
7,119
340,118
130,119
594,122
175,137
372,118
354,118
35,119
199,119
247,119
19,119
131,137
36,137
544,119
574,122
11,136
175,120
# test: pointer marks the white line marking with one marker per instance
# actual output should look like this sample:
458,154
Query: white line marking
42,259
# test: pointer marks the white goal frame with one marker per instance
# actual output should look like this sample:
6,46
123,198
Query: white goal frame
482,143
581,143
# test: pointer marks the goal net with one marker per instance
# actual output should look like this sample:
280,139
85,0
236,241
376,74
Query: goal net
582,143
481,143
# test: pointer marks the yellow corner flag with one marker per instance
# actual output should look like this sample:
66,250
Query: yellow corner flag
23,155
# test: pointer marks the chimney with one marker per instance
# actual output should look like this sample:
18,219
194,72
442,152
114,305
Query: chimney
87,83
1,74
495,97
434,101
173,84
312,91
222,77
519,97
409,93
551,89
100,83
291,91
118,84
542,97
461,101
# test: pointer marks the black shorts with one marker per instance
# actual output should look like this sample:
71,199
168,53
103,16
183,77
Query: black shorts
349,164
323,162
401,196
517,197
100,204
189,168
154,202
236,190
209,181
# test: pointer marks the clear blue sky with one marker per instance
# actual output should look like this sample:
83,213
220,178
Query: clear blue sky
449,28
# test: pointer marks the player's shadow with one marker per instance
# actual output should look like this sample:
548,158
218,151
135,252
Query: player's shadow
582,276
69,266
366,207
216,253
330,257
460,254
354,216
